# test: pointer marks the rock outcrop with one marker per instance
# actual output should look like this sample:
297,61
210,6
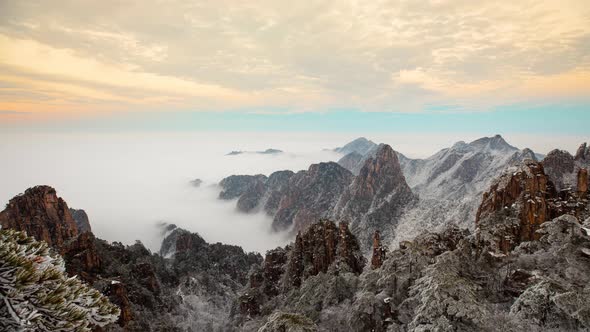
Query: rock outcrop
377,196
41,214
526,198
323,249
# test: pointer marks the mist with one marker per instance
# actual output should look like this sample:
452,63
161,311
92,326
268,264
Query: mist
128,183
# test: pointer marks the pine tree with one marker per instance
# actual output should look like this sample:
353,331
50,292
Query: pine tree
37,295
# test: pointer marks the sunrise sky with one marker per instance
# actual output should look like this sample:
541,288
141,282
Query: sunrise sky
514,65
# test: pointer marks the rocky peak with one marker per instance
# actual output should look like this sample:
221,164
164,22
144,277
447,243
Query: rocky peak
496,142
323,247
376,197
318,248
380,175
360,145
41,214
526,188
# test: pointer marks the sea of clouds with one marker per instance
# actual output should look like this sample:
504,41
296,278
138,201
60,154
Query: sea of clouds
130,182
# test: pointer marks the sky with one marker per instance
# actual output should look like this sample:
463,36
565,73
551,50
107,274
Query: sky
520,67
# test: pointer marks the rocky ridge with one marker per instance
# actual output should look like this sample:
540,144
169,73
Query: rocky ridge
372,200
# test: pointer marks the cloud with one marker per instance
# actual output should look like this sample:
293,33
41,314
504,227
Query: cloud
378,55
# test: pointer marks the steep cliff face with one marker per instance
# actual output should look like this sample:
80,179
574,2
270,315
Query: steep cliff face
377,196
41,214
527,195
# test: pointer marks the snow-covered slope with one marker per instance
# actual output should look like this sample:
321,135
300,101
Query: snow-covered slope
450,183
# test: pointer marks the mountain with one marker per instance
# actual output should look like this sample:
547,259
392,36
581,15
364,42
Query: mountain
360,145
524,267
192,289
377,197
450,183
373,200
508,275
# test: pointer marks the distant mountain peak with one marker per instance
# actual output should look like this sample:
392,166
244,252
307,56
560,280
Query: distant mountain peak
496,142
360,145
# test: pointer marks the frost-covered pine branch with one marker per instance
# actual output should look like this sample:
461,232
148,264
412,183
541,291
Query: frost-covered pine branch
37,295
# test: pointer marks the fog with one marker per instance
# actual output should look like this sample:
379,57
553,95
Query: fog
127,183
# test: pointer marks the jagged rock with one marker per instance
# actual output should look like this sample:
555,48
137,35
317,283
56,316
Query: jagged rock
318,248
377,196
41,214
81,219
323,249
529,195
528,187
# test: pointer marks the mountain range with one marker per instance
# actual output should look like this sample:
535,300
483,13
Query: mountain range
521,262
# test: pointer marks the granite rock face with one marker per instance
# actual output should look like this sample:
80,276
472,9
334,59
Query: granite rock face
526,197
41,214
377,197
